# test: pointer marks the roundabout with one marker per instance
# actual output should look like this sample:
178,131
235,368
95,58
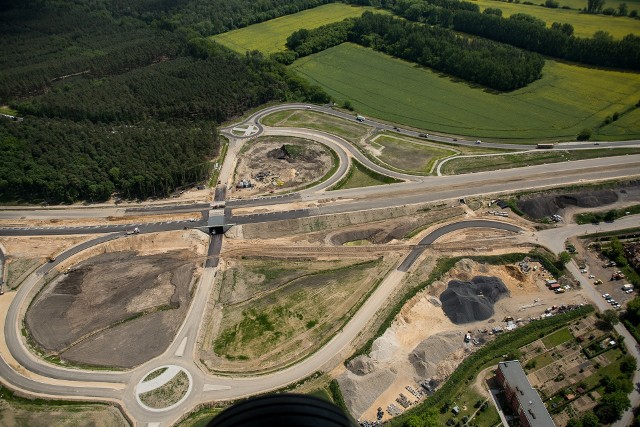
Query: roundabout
164,388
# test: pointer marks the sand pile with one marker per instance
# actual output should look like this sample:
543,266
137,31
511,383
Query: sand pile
368,378
465,302
428,356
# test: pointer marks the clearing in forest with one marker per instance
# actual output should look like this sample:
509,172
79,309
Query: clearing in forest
271,36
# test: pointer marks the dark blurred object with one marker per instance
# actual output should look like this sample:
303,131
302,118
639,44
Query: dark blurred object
282,410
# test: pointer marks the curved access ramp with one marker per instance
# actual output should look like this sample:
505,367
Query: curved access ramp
430,238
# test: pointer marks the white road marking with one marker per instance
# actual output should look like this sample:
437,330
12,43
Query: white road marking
180,351
214,387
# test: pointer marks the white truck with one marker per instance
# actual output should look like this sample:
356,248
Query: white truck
134,231
360,118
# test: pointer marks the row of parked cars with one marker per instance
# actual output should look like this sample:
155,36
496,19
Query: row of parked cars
611,301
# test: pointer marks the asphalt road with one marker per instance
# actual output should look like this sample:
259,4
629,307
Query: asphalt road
430,238
182,351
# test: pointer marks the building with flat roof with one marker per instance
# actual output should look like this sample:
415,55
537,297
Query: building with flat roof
521,397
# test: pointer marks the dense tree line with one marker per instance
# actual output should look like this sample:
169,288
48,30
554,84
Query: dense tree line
65,161
522,31
485,62
113,103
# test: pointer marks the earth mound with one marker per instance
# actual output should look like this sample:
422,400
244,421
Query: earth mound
543,206
465,302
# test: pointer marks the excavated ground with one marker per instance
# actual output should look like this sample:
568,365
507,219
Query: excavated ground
278,171
541,206
115,309
423,343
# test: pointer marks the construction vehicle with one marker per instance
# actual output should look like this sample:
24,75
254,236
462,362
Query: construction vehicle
617,275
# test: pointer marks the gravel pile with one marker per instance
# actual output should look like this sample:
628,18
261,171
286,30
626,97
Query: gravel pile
465,302
544,206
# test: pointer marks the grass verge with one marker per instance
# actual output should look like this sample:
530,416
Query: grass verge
213,181
361,176
463,165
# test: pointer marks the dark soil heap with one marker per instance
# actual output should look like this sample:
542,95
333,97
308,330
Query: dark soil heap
291,153
544,206
465,302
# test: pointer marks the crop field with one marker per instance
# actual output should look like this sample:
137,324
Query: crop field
270,36
350,131
584,24
580,4
407,155
507,161
277,311
566,100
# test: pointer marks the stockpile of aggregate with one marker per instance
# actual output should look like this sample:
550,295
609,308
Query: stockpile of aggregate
466,302
543,206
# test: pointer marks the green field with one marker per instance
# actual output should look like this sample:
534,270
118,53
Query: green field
270,36
627,126
507,161
584,24
407,155
350,131
563,102
557,338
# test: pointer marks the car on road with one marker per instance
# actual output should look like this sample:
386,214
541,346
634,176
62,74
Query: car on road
423,135
478,142
605,296
592,276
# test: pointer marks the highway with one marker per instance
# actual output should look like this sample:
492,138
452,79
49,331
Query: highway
24,371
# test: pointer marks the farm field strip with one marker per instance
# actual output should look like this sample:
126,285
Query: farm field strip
563,102
271,36
584,24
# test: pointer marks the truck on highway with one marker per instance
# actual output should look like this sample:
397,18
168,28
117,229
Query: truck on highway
134,231
545,145
360,118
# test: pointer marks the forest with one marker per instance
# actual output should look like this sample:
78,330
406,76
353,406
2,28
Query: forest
115,101
522,31
495,65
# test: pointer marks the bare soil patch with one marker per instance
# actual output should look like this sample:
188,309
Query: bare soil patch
116,309
276,164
